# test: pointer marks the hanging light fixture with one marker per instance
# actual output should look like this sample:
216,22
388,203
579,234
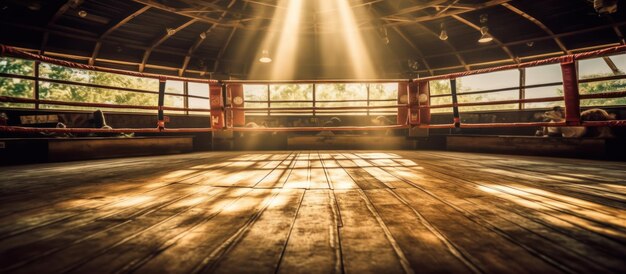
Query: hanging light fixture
443,36
485,37
265,57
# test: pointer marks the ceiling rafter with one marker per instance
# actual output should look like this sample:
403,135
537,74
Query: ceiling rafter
206,19
111,29
404,20
223,49
452,47
409,42
539,24
496,40
199,41
159,41
414,47
62,10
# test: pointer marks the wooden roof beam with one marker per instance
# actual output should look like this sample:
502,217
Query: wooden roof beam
495,40
223,49
199,41
62,10
160,6
539,24
159,41
111,29
430,17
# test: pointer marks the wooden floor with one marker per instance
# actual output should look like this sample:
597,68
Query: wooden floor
315,212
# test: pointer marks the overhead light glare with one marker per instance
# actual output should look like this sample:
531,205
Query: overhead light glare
443,36
265,57
485,37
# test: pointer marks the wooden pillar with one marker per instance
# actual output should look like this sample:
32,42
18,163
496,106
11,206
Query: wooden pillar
217,106
423,102
455,108
160,115
403,98
235,94
571,95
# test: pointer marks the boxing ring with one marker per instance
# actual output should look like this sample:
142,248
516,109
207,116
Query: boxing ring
227,110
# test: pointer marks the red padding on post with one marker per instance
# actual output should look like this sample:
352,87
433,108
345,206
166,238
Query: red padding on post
217,106
571,96
235,92
403,98
423,100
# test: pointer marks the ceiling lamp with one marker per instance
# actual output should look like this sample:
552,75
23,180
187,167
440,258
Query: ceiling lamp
265,57
443,36
203,35
82,13
485,37
605,6
170,31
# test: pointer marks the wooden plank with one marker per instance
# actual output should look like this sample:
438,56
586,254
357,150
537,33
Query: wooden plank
383,176
279,175
314,242
337,176
426,248
263,244
299,176
82,250
360,176
607,220
250,176
364,246
317,176
563,242
197,248
487,250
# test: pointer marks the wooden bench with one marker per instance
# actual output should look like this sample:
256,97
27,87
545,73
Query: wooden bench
529,145
36,150
350,142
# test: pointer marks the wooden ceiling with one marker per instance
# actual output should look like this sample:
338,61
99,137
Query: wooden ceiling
222,38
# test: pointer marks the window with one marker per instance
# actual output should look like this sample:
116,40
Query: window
597,68
542,75
198,89
440,95
485,82
14,87
291,96
174,87
256,96
49,90
341,95
383,95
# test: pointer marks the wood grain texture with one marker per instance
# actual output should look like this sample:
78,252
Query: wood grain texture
315,212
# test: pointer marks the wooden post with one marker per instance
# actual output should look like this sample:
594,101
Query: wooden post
403,98
235,91
571,94
160,116
455,109
217,106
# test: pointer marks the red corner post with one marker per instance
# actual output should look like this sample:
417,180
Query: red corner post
235,98
570,92
403,98
217,106
423,102
414,115
161,101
